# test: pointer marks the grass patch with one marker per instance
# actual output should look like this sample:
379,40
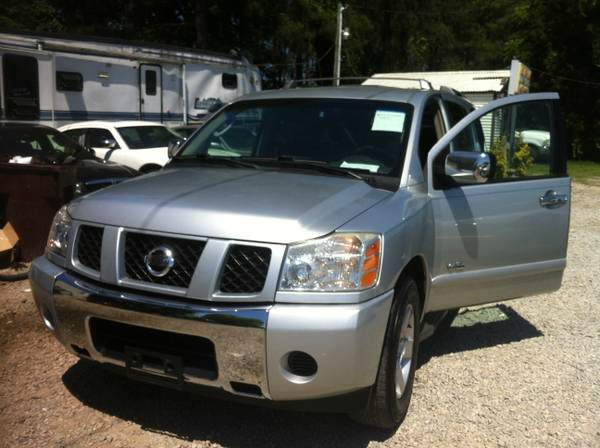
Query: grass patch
584,172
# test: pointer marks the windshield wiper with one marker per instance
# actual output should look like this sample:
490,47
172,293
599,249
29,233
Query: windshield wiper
216,160
316,165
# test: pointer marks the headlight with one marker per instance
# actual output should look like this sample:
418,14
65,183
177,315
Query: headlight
339,262
58,239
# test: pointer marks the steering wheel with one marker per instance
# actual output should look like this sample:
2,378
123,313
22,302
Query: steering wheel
375,153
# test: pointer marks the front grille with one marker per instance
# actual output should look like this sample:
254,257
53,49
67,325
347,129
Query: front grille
245,269
112,340
185,252
89,246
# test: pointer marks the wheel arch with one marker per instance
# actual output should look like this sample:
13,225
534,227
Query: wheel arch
417,269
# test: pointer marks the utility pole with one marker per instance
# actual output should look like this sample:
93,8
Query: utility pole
338,47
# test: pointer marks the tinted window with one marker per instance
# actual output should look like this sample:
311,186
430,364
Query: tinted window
150,81
139,137
96,138
69,82
455,112
229,80
21,94
35,141
351,134
432,129
75,134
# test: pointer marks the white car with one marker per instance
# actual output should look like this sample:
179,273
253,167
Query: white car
140,145
538,141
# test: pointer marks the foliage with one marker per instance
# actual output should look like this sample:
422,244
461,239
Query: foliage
522,160
498,151
559,39
584,172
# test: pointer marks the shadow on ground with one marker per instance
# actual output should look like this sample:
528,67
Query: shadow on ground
479,328
194,417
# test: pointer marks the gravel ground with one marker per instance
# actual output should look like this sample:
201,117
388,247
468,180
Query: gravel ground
522,373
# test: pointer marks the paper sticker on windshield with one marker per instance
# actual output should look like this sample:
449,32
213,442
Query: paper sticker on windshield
360,166
388,120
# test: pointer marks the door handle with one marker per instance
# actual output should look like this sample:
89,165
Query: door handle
552,199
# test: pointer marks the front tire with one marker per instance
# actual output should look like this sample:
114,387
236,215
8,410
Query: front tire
390,396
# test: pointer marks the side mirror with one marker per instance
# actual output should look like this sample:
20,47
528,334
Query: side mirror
173,147
466,167
109,143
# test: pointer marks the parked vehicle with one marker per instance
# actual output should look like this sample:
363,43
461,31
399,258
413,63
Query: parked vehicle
44,145
303,242
138,144
56,80
40,170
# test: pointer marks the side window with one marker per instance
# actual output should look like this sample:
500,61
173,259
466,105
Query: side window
432,129
229,80
150,81
96,138
470,138
75,134
455,112
521,138
69,82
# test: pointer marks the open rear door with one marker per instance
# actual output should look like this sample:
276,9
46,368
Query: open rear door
505,237
150,92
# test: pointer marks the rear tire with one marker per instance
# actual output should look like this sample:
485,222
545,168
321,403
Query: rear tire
389,397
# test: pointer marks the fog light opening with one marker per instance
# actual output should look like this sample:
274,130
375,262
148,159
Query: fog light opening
300,367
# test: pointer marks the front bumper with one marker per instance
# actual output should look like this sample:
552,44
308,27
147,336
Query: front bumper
251,341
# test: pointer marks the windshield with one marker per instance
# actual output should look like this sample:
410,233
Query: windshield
141,137
360,135
185,131
36,141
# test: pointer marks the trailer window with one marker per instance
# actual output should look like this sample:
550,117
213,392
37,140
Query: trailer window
150,82
21,87
69,82
229,80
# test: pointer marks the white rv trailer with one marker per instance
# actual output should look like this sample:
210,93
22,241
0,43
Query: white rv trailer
57,80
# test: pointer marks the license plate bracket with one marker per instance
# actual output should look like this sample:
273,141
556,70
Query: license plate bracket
154,367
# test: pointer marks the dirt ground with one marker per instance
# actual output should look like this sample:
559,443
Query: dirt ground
523,373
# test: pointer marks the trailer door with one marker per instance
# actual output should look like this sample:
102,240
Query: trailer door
150,92
21,87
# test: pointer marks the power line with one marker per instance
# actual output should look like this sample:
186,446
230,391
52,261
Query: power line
565,78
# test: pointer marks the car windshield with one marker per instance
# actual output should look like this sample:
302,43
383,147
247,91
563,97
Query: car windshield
185,131
361,135
36,141
141,137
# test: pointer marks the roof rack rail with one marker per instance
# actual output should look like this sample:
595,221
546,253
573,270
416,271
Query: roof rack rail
294,82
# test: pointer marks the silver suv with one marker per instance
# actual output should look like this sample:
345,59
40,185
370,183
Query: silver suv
303,242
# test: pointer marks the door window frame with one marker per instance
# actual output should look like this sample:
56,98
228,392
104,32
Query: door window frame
558,159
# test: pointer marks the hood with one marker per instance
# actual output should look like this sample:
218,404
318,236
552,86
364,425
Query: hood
231,203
